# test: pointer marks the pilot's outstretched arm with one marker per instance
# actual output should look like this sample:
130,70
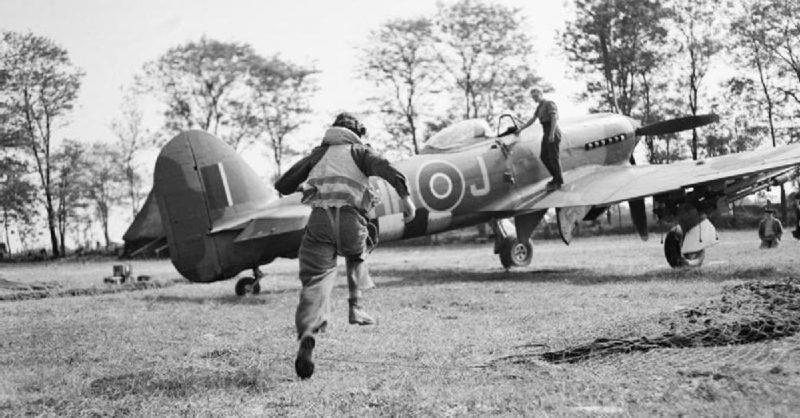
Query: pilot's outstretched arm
373,164
527,124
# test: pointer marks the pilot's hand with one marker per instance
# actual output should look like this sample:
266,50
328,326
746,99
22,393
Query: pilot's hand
509,130
409,210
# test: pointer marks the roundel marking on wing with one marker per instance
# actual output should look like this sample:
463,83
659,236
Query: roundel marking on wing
440,185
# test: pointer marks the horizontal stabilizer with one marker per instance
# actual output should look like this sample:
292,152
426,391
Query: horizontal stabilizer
273,225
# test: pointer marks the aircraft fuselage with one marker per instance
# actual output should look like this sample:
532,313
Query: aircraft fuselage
450,189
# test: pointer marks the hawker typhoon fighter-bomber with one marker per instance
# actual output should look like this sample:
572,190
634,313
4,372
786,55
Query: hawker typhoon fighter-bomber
219,219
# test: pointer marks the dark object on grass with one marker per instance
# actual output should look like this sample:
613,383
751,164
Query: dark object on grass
747,313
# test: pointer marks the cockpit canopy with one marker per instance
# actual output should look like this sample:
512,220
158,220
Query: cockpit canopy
457,137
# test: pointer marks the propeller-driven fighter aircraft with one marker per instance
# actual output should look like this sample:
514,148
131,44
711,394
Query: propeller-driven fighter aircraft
220,219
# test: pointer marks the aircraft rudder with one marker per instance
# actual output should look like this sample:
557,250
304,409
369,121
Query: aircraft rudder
200,180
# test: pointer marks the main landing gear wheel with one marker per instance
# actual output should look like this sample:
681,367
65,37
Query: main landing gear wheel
250,285
672,251
514,253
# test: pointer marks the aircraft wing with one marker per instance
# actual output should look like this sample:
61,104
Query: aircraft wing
604,185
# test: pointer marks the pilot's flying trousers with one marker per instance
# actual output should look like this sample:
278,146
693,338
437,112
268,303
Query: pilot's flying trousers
336,176
547,112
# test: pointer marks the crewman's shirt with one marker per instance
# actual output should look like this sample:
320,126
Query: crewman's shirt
547,111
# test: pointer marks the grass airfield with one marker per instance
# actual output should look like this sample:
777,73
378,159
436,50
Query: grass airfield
457,335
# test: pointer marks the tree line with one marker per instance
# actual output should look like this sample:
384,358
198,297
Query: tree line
66,187
649,59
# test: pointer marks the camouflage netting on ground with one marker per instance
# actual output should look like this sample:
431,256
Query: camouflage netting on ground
747,313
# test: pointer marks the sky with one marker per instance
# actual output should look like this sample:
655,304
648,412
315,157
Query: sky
112,40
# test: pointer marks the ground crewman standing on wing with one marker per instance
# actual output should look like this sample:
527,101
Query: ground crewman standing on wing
334,179
547,113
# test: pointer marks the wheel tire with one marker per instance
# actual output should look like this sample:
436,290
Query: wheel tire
672,251
694,259
247,285
514,253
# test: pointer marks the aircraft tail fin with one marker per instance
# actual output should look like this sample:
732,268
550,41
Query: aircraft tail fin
200,181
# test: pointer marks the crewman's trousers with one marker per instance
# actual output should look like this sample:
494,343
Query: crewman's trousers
770,243
318,257
549,154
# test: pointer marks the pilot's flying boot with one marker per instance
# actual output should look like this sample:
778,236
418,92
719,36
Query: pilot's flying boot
553,185
303,365
358,315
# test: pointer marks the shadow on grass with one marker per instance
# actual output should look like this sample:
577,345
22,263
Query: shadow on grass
576,276
223,300
181,383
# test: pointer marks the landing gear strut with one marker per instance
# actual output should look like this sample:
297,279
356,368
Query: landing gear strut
249,285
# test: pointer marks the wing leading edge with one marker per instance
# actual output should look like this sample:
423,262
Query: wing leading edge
603,185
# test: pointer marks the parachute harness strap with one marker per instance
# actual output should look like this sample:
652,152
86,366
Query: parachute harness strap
372,243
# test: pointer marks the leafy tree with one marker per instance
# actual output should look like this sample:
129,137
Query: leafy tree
29,231
700,39
281,92
769,47
104,181
400,58
203,85
750,51
619,48
624,41
132,138
40,86
69,185
486,53
17,196
775,26
741,131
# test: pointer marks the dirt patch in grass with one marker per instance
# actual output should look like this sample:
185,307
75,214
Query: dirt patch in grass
54,290
751,312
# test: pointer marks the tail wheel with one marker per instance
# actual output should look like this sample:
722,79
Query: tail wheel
672,251
514,253
247,285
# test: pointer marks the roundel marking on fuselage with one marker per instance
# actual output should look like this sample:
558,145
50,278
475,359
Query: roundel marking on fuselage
440,185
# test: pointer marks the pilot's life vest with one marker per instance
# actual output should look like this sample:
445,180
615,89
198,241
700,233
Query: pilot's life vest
336,181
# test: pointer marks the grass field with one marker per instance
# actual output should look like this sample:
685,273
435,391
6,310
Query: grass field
448,317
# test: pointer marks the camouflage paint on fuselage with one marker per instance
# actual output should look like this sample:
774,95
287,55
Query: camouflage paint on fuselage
451,189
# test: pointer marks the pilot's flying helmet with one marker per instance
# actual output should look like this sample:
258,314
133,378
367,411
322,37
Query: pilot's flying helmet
346,120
